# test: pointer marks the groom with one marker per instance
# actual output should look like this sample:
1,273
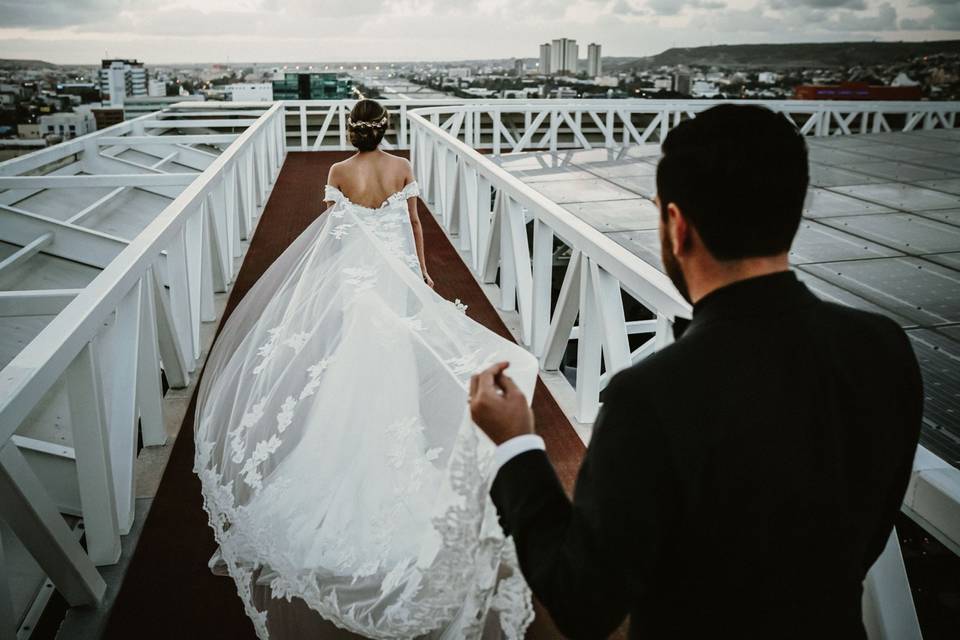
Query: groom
740,482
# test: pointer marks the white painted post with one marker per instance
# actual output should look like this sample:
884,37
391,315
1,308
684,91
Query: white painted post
470,207
508,278
402,142
613,328
303,127
8,624
564,316
483,223
207,261
589,348
554,129
608,139
497,129
149,385
542,284
220,237
91,446
888,610
180,296
193,237
520,259
120,347
342,115
31,514
172,350
664,335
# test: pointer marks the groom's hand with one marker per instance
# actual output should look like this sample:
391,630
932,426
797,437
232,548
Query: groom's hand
498,406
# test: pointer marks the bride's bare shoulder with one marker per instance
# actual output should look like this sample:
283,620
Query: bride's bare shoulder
402,166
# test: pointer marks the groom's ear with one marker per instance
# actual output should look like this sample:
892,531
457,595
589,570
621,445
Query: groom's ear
679,230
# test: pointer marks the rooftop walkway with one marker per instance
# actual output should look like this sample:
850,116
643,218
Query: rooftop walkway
168,591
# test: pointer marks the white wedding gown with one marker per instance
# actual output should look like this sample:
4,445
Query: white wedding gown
334,444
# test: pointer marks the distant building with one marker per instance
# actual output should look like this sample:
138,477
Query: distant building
139,105
86,91
593,60
563,56
28,131
250,92
526,92
856,91
107,117
307,85
459,72
519,67
122,76
480,92
156,88
607,81
563,92
767,77
681,82
68,125
664,84
545,58
704,89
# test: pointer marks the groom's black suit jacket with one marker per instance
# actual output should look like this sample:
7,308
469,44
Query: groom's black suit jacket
738,483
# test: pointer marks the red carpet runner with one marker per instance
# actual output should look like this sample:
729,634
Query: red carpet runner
169,592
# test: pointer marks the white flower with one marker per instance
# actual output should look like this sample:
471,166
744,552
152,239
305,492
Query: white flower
285,417
460,306
340,230
314,370
297,341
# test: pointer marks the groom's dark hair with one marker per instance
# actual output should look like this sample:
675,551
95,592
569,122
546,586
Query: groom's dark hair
739,174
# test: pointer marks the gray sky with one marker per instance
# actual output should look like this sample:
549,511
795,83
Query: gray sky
159,31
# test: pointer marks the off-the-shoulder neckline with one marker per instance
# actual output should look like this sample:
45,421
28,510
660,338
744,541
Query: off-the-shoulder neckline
382,204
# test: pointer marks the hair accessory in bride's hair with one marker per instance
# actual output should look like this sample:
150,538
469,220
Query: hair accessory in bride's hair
362,124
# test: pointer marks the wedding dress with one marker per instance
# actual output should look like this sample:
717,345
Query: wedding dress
334,444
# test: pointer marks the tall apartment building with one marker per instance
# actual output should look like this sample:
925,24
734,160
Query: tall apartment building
593,60
128,76
563,56
545,58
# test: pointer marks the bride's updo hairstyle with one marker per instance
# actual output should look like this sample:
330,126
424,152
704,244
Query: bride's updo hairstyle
366,124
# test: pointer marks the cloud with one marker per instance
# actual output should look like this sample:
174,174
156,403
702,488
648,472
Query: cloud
856,5
664,7
54,14
943,15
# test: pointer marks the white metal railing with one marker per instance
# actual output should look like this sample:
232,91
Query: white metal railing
488,209
106,344
511,125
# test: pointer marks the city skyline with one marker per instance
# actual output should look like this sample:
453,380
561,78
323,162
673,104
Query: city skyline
171,32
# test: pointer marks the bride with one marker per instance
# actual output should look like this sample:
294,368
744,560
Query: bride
334,446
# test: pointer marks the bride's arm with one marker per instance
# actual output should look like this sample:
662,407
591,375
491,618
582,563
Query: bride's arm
418,238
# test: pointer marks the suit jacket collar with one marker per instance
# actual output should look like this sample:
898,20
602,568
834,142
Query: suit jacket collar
762,295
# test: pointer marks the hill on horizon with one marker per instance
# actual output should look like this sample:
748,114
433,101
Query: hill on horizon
782,56
15,63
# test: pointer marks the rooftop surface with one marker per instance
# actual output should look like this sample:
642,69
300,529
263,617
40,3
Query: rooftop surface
881,232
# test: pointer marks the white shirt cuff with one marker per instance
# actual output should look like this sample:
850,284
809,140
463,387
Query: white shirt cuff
513,447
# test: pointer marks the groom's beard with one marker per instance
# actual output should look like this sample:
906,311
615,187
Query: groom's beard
672,267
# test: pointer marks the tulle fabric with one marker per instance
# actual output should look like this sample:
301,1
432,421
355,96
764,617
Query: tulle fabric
334,445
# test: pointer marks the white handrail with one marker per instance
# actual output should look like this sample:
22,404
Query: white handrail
24,380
